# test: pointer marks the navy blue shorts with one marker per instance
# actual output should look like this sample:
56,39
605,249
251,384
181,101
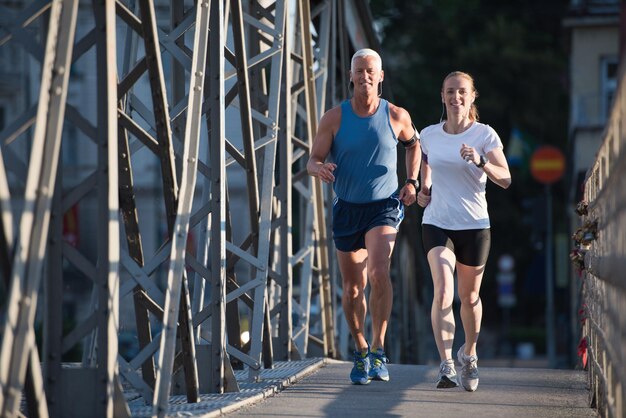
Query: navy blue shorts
351,221
470,246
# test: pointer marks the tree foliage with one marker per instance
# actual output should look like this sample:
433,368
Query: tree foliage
514,50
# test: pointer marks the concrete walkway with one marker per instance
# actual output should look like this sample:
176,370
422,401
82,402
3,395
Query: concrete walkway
411,392
317,387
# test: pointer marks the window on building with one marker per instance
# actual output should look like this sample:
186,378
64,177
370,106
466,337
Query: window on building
601,7
608,84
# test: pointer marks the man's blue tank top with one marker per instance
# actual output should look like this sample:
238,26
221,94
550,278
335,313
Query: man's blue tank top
364,150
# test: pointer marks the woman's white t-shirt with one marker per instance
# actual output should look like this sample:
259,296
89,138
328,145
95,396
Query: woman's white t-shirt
458,199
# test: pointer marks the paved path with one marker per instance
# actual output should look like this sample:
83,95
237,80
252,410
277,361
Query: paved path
321,388
503,392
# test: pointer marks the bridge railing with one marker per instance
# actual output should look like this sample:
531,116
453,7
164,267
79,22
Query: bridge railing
602,257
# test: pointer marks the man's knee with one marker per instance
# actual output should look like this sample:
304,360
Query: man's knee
379,276
352,291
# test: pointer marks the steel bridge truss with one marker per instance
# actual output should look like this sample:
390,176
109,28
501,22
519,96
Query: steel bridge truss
267,63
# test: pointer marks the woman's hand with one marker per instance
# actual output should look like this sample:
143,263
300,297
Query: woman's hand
408,195
423,197
469,154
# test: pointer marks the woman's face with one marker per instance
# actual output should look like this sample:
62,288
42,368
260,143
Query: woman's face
458,95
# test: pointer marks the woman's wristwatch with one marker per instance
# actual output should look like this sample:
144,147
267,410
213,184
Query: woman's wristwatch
483,160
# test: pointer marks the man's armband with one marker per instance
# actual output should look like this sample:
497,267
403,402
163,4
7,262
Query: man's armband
413,139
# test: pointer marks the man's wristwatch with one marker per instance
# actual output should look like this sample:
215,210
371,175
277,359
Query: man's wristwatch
414,182
483,160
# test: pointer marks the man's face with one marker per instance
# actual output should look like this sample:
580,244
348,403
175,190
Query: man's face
366,74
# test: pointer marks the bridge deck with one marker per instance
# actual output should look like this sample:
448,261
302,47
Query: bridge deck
320,388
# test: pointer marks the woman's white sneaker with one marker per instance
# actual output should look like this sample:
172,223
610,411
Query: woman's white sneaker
447,375
469,370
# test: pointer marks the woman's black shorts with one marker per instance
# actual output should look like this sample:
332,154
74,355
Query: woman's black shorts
471,246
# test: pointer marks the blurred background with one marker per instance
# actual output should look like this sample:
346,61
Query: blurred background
546,73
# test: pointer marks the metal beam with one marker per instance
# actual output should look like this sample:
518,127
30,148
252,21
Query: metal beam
107,271
18,351
175,279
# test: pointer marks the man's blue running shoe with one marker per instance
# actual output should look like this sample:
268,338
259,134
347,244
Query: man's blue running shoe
360,372
378,370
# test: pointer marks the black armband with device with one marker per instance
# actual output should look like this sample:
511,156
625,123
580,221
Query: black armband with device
413,139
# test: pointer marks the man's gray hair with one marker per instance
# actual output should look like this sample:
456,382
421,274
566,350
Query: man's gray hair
366,52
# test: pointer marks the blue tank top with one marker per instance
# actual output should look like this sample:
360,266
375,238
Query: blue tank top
364,150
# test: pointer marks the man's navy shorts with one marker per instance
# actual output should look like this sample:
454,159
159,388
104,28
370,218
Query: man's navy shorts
351,221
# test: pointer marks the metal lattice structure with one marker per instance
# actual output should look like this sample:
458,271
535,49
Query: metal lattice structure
199,121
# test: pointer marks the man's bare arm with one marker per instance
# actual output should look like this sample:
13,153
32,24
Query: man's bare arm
317,165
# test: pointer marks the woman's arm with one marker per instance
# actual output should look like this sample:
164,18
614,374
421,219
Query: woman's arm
497,169
423,197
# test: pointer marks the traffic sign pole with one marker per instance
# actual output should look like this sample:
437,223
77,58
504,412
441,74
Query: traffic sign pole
550,337
547,165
